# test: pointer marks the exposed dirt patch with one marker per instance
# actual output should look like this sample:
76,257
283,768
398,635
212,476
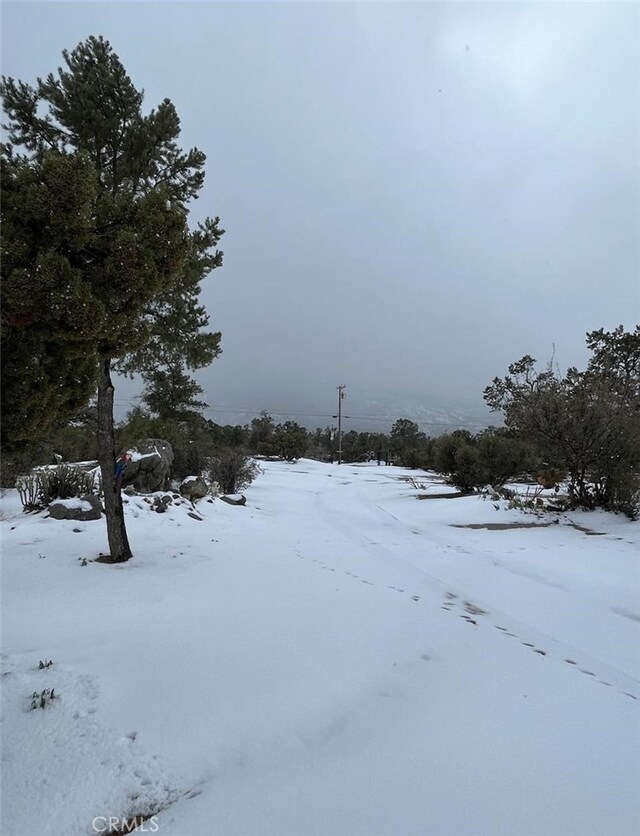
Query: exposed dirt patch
442,495
514,525
501,526
588,531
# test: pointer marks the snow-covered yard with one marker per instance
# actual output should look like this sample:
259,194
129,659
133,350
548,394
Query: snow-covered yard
335,658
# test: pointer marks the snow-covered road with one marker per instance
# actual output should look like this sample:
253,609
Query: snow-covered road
336,658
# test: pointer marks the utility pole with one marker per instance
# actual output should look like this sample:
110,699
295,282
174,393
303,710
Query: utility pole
340,399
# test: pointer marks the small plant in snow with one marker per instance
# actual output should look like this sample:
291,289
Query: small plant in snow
531,502
40,700
28,488
46,664
419,486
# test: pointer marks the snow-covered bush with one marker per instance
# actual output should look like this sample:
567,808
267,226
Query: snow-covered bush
42,486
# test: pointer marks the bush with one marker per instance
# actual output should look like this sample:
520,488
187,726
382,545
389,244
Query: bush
466,474
42,486
501,458
233,470
415,458
624,494
457,458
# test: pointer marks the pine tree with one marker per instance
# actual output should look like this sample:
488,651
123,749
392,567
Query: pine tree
139,264
50,318
171,394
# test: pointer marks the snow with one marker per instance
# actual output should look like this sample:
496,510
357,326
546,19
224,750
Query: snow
136,456
82,504
336,658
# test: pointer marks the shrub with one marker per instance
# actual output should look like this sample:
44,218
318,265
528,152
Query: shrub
466,474
233,470
42,486
500,457
457,458
624,494
415,458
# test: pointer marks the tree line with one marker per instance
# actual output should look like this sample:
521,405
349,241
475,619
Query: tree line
578,428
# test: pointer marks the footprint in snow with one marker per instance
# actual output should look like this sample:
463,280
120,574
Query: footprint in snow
473,609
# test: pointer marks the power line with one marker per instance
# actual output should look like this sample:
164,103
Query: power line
255,412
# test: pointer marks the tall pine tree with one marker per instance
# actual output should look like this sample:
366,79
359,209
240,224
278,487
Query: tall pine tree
135,263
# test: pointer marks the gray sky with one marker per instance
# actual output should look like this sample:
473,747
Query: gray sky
415,194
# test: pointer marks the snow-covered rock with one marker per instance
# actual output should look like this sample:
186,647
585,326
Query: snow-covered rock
83,508
149,468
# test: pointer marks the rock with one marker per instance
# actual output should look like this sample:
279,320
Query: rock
194,516
83,508
194,487
236,499
161,503
150,466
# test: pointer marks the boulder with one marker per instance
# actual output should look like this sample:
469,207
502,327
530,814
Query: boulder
80,508
150,466
235,499
194,487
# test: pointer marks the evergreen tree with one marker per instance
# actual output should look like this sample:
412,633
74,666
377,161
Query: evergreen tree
290,440
585,423
170,393
50,317
137,264
407,441
261,435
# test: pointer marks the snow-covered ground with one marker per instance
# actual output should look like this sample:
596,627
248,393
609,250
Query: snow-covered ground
335,658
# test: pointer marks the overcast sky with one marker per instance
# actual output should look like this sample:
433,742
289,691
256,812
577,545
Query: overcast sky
415,194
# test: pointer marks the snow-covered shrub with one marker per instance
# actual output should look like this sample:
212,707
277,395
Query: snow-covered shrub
42,486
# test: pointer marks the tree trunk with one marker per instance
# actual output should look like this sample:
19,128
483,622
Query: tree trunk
119,548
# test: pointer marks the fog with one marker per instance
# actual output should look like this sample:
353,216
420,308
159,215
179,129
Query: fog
414,194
